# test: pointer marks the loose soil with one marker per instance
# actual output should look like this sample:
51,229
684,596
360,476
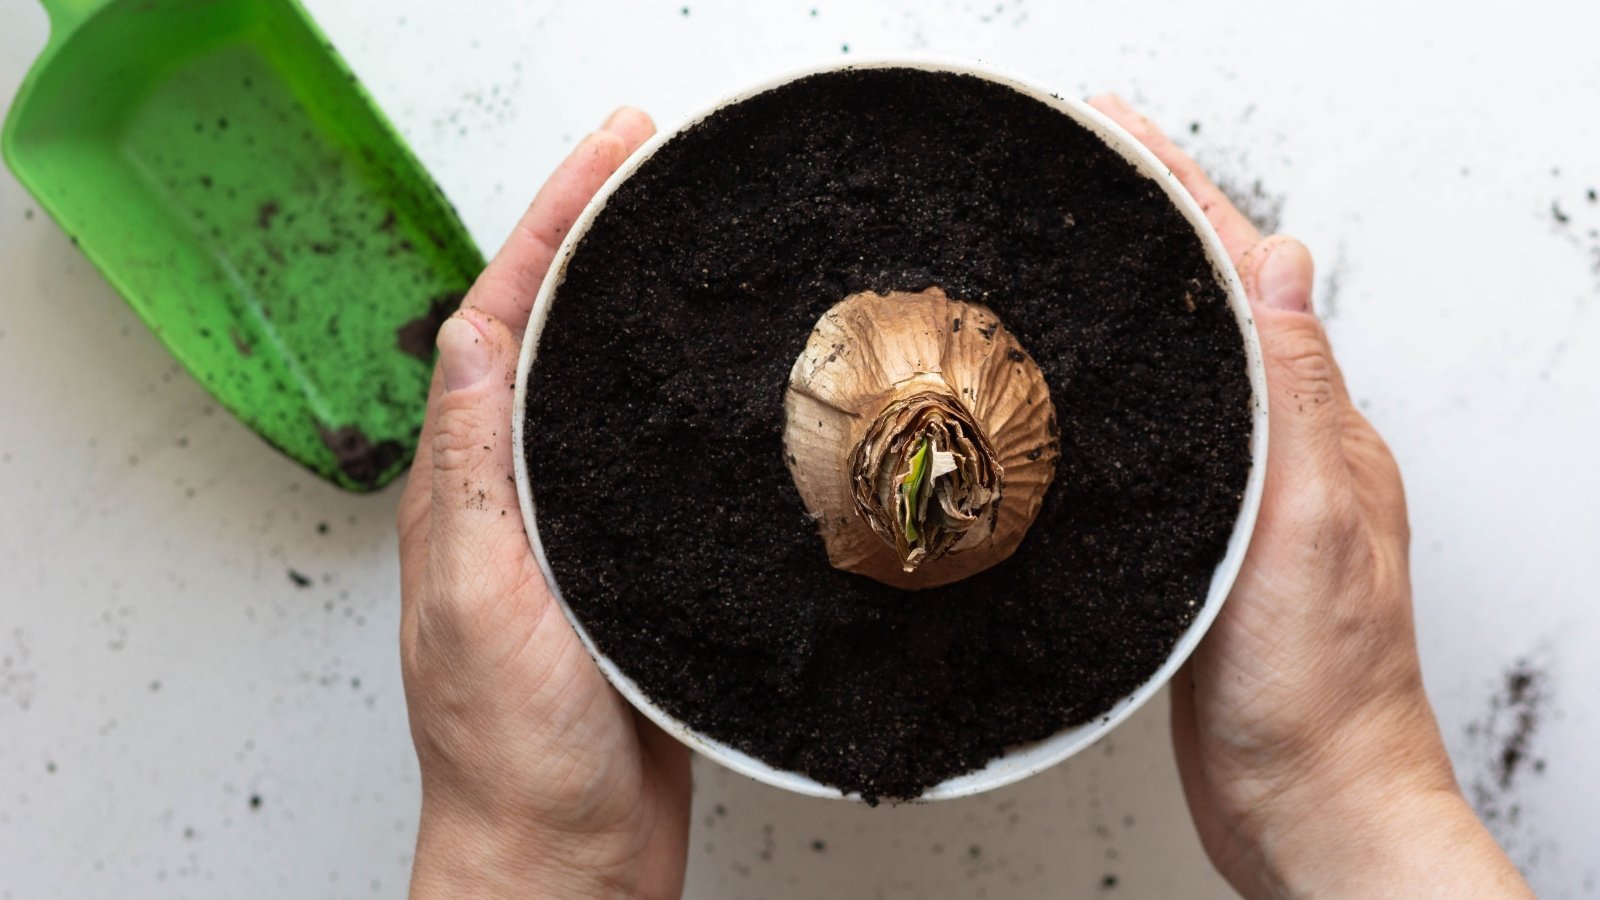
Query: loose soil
362,460
1504,738
416,337
655,420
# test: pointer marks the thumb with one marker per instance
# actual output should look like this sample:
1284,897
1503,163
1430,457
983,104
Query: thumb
1277,272
1305,391
474,512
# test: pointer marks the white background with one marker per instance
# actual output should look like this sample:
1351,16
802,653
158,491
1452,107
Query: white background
158,667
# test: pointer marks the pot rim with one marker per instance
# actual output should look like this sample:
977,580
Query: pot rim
1021,761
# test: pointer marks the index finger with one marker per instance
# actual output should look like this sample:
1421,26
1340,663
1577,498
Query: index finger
1238,233
507,287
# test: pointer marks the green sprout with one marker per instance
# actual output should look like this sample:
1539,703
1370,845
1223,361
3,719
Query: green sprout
911,486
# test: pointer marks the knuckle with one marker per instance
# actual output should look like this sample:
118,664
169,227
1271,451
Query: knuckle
1300,358
1384,488
1324,514
457,443
1341,515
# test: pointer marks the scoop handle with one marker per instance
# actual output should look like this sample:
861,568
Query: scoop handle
67,15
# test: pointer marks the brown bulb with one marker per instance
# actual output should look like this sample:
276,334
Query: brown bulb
920,436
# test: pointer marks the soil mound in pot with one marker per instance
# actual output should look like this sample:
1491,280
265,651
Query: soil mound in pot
655,417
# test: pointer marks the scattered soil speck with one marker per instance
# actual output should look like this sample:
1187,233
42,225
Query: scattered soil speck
255,801
1575,225
300,580
360,458
1504,736
1259,205
1108,882
1327,300
265,214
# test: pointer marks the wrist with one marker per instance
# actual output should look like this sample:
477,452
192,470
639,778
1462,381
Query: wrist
1422,844
468,856
1380,817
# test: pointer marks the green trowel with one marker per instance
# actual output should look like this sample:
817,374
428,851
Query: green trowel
223,168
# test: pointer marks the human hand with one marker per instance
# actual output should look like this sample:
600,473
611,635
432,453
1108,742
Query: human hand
538,780
1310,756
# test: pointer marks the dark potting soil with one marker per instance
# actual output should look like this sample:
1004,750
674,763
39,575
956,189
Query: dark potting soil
656,411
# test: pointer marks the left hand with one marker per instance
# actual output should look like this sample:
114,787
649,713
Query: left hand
1309,753
538,780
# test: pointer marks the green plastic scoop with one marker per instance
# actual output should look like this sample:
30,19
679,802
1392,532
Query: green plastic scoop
223,168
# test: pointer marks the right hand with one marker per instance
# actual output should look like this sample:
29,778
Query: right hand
1309,754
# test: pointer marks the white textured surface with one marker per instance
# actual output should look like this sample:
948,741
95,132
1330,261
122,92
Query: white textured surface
158,668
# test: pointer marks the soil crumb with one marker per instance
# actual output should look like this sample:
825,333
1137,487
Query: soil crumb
1504,738
266,213
1576,224
416,337
357,456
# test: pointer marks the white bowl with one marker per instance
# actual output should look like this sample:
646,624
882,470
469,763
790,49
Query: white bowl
1024,760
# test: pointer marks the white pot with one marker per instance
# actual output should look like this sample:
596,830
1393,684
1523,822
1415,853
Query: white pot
1021,761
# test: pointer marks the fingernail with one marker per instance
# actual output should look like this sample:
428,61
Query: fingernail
1283,280
615,114
463,353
